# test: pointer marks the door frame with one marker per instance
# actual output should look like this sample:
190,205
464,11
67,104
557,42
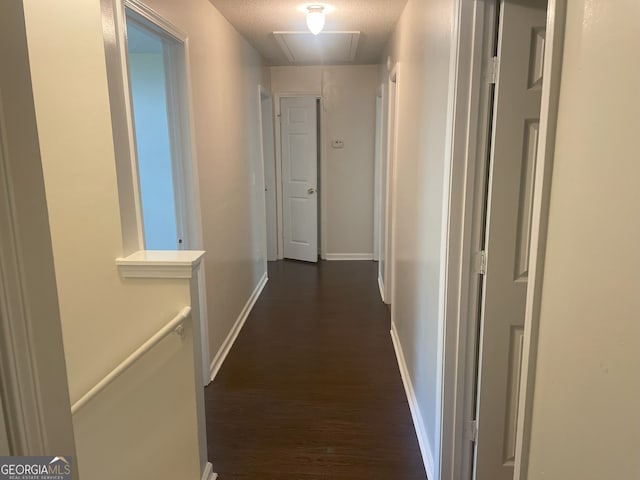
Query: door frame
382,182
376,178
392,98
322,220
469,108
263,95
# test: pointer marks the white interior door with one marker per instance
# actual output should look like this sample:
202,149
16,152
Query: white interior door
299,144
513,153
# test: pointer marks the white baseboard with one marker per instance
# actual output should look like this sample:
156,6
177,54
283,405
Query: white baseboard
381,287
349,256
418,423
208,473
235,330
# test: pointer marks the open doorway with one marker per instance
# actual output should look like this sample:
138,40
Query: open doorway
299,178
156,67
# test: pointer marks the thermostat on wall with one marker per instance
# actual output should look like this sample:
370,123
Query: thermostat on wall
337,143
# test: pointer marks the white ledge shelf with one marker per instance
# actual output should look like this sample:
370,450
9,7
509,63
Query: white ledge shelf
160,264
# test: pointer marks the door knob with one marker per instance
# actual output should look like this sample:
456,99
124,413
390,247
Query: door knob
311,190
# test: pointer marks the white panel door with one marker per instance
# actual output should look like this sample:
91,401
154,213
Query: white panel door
299,144
513,153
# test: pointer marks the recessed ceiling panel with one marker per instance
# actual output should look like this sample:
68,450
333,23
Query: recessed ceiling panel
324,48
256,20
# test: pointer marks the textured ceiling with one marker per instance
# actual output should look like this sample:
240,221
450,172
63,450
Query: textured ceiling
256,20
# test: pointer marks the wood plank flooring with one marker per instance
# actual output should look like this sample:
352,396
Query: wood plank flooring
311,389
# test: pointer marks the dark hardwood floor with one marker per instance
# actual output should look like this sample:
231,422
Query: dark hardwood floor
311,389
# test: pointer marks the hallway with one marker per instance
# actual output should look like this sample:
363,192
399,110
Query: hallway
311,388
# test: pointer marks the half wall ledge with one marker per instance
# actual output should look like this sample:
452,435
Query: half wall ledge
160,264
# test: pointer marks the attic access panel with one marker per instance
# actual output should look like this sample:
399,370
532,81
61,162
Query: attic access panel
324,48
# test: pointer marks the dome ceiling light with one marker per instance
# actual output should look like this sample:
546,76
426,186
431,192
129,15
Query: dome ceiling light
315,18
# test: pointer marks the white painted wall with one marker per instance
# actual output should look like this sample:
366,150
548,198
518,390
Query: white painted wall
104,318
225,72
349,94
421,45
585,420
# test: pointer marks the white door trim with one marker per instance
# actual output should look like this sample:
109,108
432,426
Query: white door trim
323,171
469,110
114,39
154,17
263,94
377,175
382,183
390,201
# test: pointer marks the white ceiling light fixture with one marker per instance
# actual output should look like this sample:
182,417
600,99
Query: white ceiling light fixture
315,18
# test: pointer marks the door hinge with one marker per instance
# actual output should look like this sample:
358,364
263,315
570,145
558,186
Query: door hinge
471,431
491,71
481,262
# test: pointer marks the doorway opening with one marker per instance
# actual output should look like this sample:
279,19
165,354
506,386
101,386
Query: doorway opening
156,67
299,175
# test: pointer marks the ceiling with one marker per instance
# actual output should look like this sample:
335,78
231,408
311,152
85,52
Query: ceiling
256,20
